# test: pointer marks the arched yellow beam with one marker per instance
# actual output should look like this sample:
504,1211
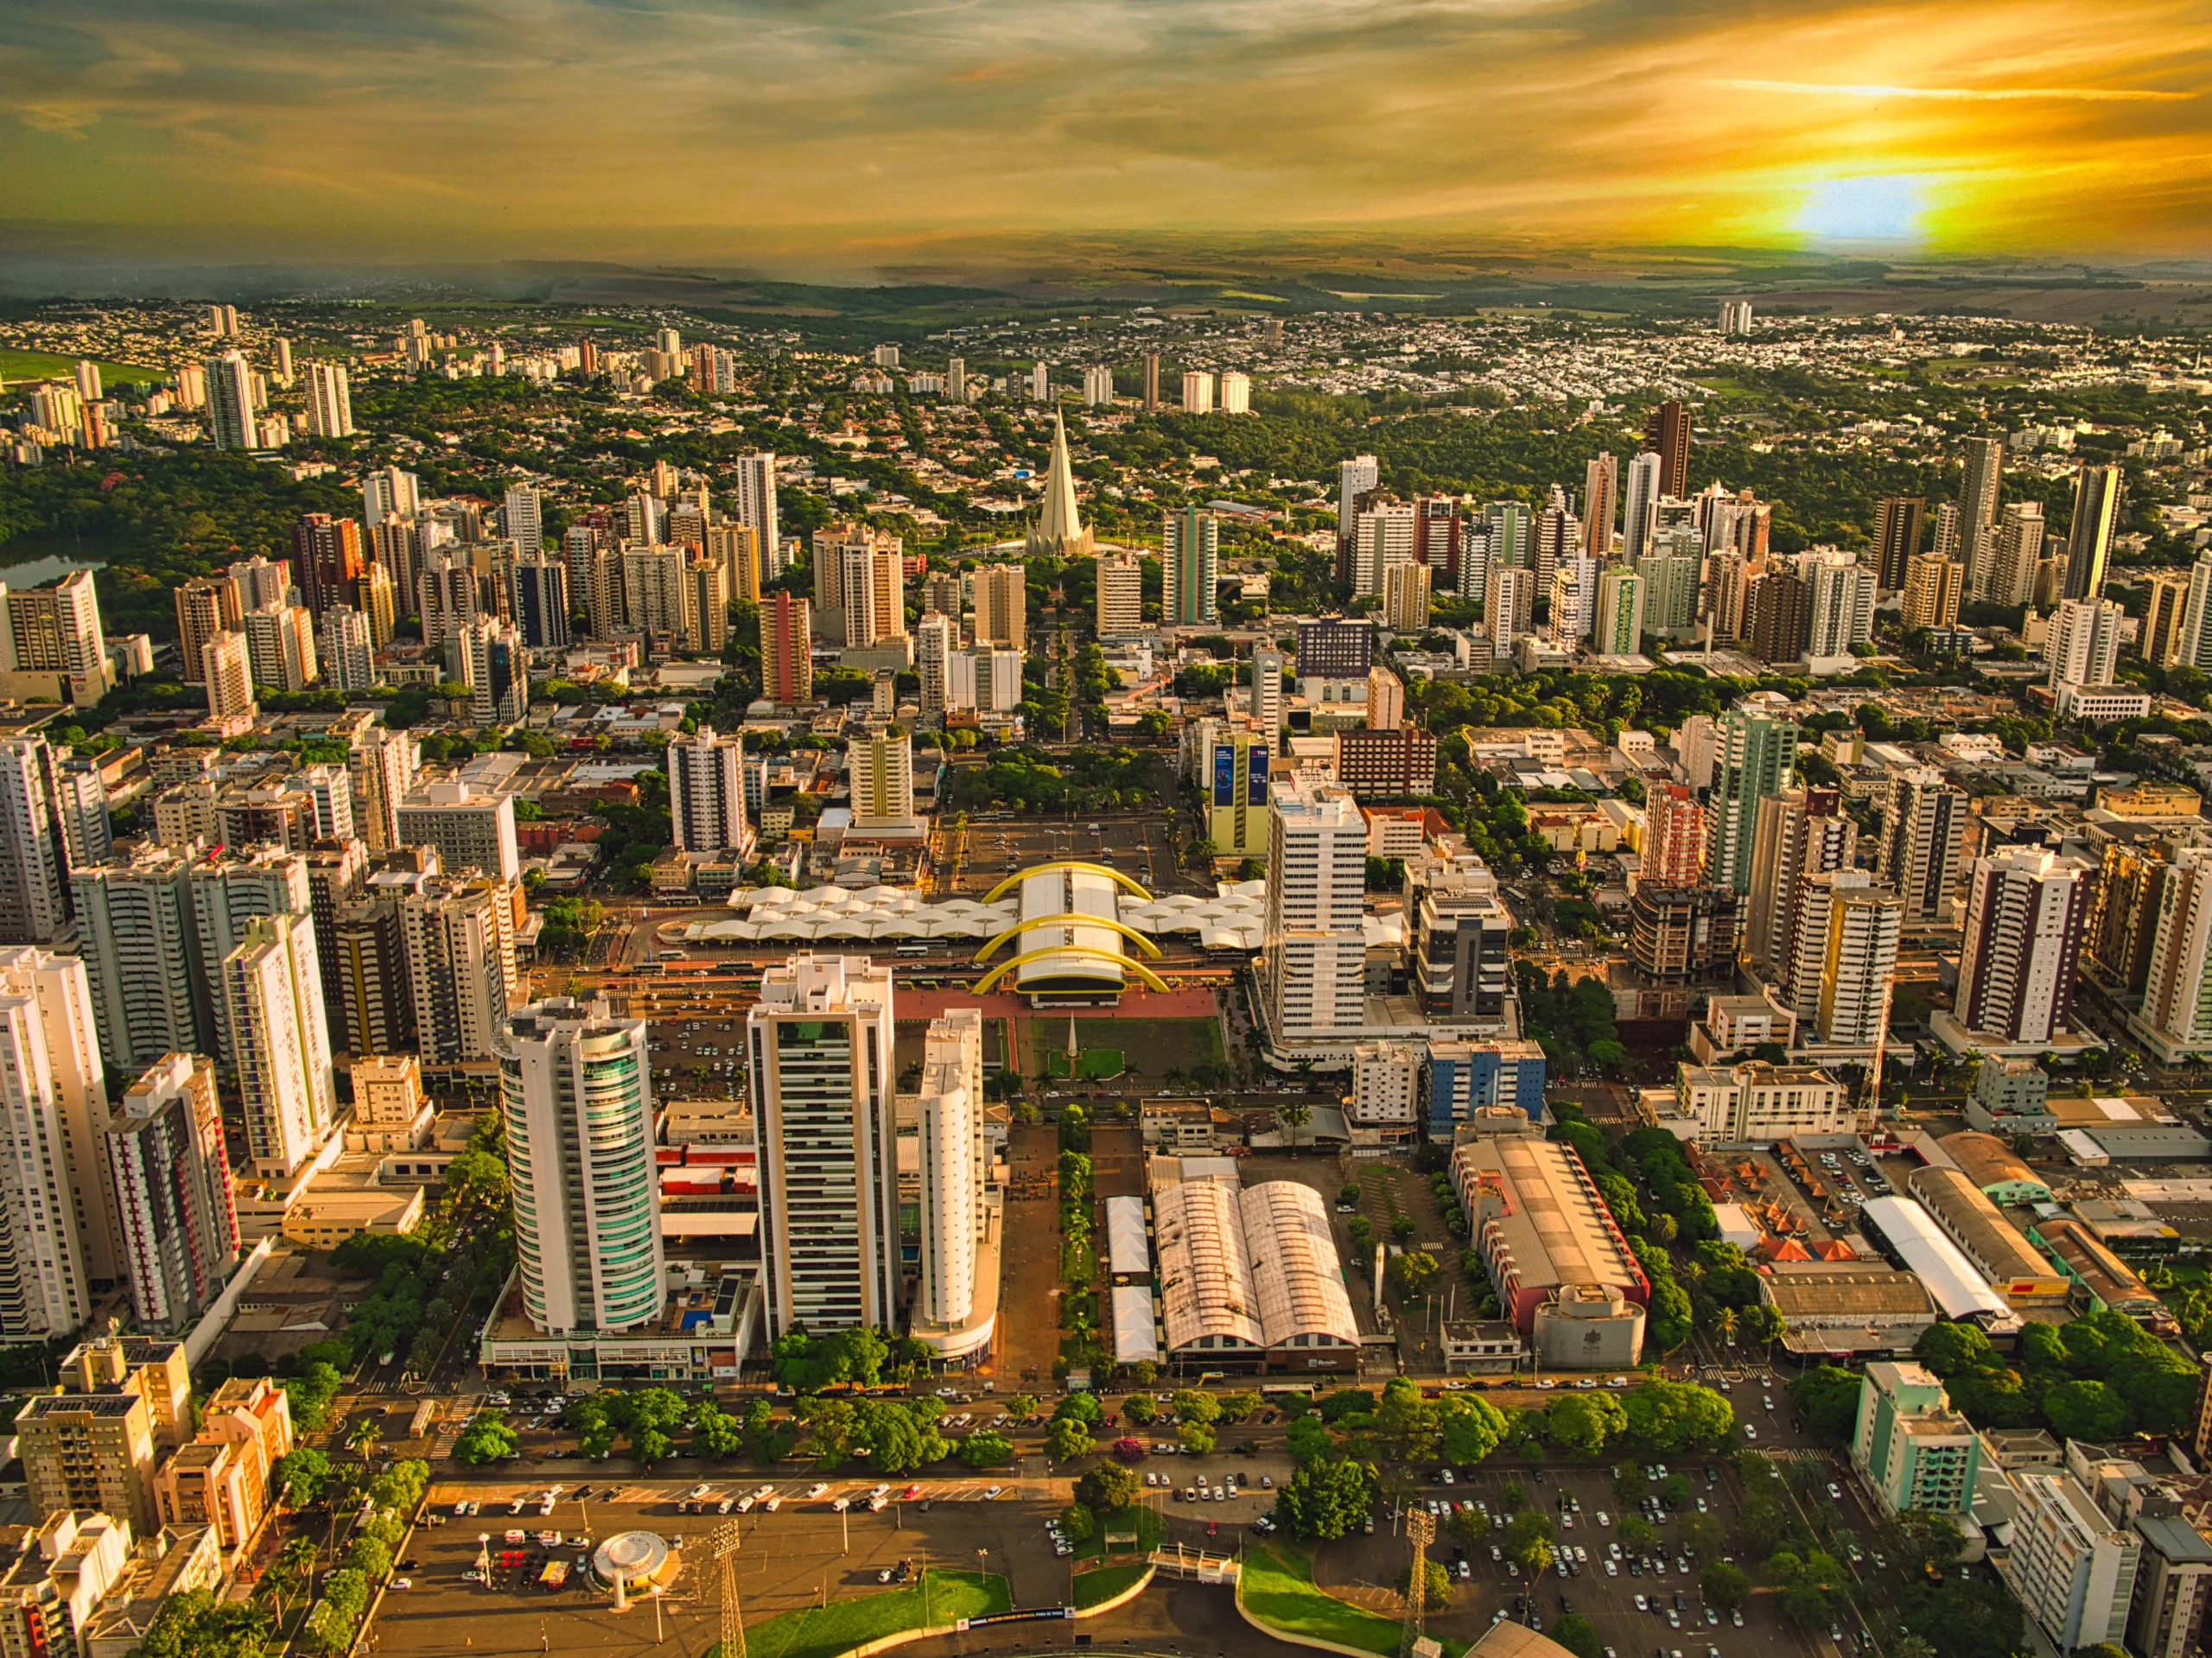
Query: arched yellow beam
1073,920
1153,981
1066,863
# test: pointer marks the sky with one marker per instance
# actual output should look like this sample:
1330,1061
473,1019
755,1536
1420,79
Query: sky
788,133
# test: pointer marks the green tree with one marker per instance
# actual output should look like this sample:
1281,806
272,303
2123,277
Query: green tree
1917,1540
1067,1439
1081,1407
487,1440
1948,1348
1412,1274
1196,1441
2085,1410
1140,1408
1078,1522
1665,1417
1965,1617
986,1450
1806,1584
1411,1427
1583,1424
1473,1428
301,1474
1437,1580
1829,1397
195,1624
1191,1406
1723,1585
1108,1487
1325,1498
1578,1636
1528,1539
714,1433
1308,1437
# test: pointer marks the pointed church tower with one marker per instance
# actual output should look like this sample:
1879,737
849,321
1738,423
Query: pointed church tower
1059,531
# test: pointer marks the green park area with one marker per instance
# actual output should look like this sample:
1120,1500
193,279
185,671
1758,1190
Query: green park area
44,366
939,1599
1277,1587
1151,1048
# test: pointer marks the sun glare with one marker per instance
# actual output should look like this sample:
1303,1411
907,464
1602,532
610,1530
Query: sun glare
1882,210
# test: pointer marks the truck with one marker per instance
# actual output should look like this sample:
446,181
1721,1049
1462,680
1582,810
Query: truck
555,1576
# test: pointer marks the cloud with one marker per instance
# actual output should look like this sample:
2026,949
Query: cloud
747,129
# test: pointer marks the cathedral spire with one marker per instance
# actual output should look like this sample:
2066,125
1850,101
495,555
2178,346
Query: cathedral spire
1058,530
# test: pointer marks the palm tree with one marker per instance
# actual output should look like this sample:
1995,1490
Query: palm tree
363,1438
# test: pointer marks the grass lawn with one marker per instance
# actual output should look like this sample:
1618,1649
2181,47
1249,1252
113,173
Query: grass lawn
1150,1047
844,1624
1092,1588
43,366
1091,1064
1278,1588
1136,1517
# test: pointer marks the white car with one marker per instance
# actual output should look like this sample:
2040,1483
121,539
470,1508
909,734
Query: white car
996,1490
817,1489
1749,1432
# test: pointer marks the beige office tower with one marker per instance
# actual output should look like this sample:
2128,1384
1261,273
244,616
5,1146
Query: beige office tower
737,546
1120,594
1386,700
226,669
34,905
1002,605
2165,605
652,590
1312,948
206,607
933,639
1405,600
880,765
1933,588
459,938
381,764
822,1065
280,1035
1798,832
90,1452
379,604
1601,497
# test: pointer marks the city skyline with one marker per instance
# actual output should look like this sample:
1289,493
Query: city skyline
841,139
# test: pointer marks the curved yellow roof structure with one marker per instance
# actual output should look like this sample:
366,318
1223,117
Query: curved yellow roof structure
1151,979
1121,927
1066,863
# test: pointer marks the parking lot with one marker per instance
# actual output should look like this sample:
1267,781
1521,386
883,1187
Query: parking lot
1139,847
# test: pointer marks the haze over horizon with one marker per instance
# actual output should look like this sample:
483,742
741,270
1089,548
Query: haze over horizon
833,136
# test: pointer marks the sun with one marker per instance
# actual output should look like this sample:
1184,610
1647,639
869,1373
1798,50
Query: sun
1875,210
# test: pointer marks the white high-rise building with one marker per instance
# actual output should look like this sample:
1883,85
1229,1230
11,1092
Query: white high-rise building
576,1095
821,1063
1235,393
934,635
53,1189
1098,386
1383,539
2084,644
1314,947
1267,691
955,1303
459,941
272,984
1120,594
389,494
525,520
1197,392
230,401
141,950
471,828
330,401
1923,834
2026,908
1846,940
348,655
381,763
227,669
280,647
2073,1568
753,503
1639,505
227,895
177,1223
1406,590
1843,594
1355,478
33,907
706,793
1385,1084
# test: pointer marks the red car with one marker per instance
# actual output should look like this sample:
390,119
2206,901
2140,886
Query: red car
910,1494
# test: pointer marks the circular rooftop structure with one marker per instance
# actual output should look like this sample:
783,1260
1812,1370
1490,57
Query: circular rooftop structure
1070,942
637,1559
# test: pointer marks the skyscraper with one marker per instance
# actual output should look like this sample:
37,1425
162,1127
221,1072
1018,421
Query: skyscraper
2009,576
1406,599
230,401
33,908
1639,503
1002,605
1189,545
375,996
933,639
706,793
1313,946
1098,386
56,629
1267,691
347,658
1151,380
1355,478
1667,434
541,602
280,647
141,950
2083,648
955,1218
880,764
821,1064
1601,491
1896,538
525,520
272,983
576,1092
2166,611
2026,909
1620,614
461,965
1934,586
381,764
206,606
389,494
1800,832
2098,491
2176,1015
1847,938
1924,832
177,1222
1981,483
1384,537
56,1203
489,658
786,652
330,401
753,500
327,561
1121,595
1756,756
1674,835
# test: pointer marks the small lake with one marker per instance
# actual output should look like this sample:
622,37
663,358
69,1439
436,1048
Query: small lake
29,559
